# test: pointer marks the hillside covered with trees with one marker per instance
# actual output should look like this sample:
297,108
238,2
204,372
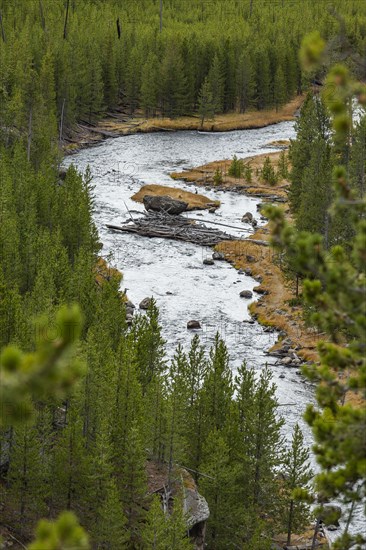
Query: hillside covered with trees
91,402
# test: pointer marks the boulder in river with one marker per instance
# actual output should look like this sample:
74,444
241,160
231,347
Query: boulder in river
246,294
164,203
208,261
331,514
193,325
247,218
145,303
218,256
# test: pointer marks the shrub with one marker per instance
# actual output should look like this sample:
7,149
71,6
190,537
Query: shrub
268,173
218,180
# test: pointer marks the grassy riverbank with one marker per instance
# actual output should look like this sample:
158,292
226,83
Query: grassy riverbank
275,306
195,201
119,124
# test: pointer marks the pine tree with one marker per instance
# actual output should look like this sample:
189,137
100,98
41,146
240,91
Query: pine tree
334,291
71,487
132,481
178,402
217,486
153,534
195,418
149,346
216,80
245,82
27,477
206,103
217,388
316,194
312,126
279,88
150,85
297,475
111,531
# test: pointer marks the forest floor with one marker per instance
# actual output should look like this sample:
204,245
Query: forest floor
195,201
85,134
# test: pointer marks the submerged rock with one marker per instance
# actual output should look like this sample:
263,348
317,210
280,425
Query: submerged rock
164,203
208,261
193,324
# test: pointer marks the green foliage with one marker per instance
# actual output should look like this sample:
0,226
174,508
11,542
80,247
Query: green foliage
268,173
63,534
165,531
236,168
297,475
336,291
282,168
218,179
48,372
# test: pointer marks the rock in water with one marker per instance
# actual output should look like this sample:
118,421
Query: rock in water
145,303
218,256
247,218
208,261
164,203
193,324
246,294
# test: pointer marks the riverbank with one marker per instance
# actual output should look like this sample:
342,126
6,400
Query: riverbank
276,307
121,124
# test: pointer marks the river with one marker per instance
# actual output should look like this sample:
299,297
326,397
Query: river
173,271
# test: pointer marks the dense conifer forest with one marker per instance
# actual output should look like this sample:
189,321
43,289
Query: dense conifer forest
91,404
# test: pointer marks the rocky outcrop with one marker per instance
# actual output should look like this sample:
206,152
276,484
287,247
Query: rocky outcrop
197,513
164,203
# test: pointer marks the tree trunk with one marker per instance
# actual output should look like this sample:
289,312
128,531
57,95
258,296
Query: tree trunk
316,530
41,14
161,15
62,119
2,27
66,18
29,134
289,527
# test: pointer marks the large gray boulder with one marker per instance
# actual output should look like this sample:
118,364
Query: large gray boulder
145,303
164,203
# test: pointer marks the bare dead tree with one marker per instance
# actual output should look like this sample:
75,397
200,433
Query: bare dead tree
66,18
2,27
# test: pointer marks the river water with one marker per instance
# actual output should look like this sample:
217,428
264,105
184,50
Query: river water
173,271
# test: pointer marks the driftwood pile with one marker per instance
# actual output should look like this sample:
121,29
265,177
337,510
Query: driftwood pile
163,225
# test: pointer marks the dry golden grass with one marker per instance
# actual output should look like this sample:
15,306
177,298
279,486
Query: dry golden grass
118,125
204,175
195,201
272,309
104,272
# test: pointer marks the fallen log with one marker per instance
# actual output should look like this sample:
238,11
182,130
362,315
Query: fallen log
176,227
